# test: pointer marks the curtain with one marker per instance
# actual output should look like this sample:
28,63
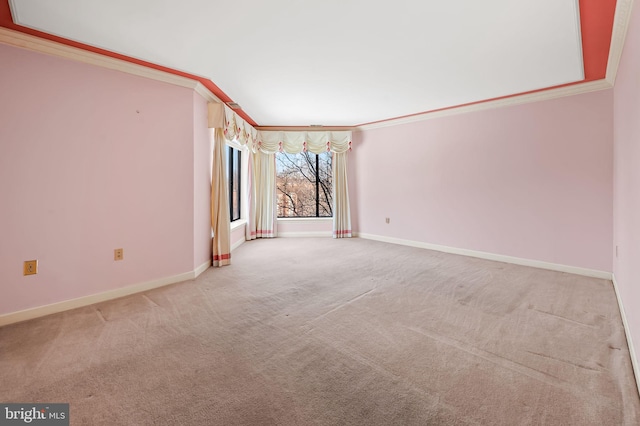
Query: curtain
261,174
220,222
261,183
294,142
264,168
338,142
250,230
341,211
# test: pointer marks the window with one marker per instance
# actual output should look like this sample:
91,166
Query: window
234,166
303,184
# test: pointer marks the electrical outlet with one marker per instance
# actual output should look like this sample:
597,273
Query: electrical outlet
387,220
118,254
30,267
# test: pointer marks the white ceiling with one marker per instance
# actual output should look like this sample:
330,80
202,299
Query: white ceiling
335,62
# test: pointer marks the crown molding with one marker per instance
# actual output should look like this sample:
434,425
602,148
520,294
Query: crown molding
559,92
48,47
620,27
207,94
305,128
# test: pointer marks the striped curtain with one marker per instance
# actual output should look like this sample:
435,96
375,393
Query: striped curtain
261,148
250,229
341,211
220,222
264,178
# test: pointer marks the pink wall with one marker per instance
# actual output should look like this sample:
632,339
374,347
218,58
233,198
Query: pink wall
202,154
532,181
308,227
626,193
92,160
237,234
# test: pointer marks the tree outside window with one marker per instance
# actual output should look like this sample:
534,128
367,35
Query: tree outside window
303,184
234,165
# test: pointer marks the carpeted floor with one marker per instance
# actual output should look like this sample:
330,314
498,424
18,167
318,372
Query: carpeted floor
336,332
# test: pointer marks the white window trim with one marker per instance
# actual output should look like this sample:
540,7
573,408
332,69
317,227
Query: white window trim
304,219
244,176
238,224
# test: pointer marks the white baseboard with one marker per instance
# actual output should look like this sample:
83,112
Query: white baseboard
200,269
532,263
306,234
238,243
80,302
627,333
491,256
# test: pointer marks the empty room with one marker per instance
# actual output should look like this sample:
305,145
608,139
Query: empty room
319,212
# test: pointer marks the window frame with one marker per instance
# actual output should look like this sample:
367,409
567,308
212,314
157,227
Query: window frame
234,177
316,186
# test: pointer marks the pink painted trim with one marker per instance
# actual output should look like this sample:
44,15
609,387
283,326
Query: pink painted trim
596,22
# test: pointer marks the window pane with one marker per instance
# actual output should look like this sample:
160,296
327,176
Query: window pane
303,184
325,200
233,179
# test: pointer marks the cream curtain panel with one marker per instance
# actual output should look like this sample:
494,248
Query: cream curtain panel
250,229
264,167
339,143
220,204
341,211
261,211
261,147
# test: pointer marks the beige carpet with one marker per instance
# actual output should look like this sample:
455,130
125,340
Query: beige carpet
336,332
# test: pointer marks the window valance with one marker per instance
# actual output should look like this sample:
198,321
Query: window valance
269,142
294,142
234,127
261,197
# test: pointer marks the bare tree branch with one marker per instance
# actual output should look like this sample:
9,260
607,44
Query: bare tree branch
296,181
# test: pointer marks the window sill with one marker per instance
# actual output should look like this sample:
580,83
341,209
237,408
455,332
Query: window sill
305,219
238,224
